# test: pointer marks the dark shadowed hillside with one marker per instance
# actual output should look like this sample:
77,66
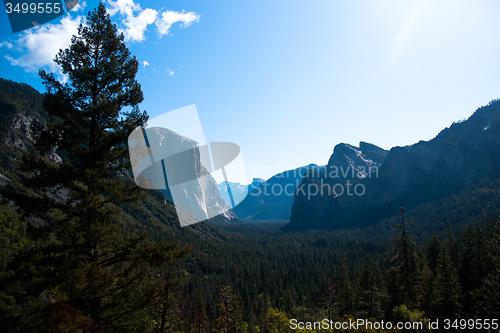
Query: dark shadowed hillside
20,104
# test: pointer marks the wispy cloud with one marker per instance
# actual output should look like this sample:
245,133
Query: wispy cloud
40,45
6,44
136,20
136,25
124,7
168,18
169,72
145,63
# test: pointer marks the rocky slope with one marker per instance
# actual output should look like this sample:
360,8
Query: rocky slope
172,163
20,104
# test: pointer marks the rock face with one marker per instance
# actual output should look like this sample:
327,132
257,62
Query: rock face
172,164
272,199
349,162
317,196
17,133
408,176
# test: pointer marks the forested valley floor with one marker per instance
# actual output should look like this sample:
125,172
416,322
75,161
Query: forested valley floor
443,262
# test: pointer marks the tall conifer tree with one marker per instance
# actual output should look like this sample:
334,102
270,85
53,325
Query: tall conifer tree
447,291
369,293
404,274
343,297
489,293
85,275
229,312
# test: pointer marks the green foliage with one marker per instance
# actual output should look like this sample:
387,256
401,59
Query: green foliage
84,274
447,292
403,314
369,293
13,236
265,313
489,291
229,312
432,251
404,266
22,96
344,293
424,289
301,272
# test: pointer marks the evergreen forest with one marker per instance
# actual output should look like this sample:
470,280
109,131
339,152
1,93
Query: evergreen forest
83,249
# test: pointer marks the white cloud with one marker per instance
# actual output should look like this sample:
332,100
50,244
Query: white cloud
136,25
136,20
124,7
145,63
168,18
40,45
7,44
169,72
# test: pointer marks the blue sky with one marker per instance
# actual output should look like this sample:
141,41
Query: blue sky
288,80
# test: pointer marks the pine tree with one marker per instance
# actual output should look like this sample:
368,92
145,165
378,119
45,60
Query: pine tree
489,293
86,275
432,252
369,293
424,289
289,300
229,312
200,315
453,247
473,268
330,298
343,297
265,312
404,273
479,256
447,291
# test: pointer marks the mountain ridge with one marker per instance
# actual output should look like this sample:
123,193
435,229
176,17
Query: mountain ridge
458,156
